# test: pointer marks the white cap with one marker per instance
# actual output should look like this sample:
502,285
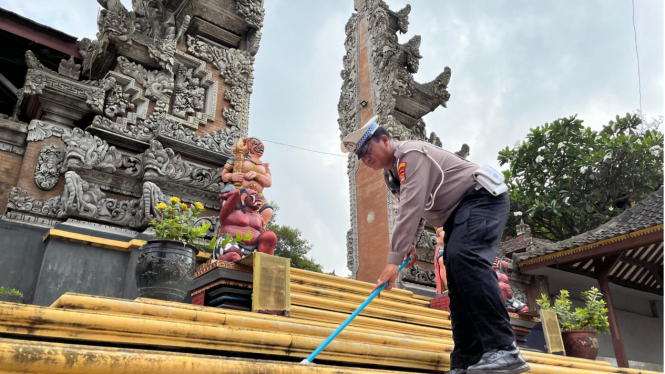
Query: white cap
356,139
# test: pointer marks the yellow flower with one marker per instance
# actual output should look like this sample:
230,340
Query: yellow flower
607,323
174,200
183,206
161,206
198,205
170,208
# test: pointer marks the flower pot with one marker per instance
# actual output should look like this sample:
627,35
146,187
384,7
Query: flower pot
165,270
580,343
10,299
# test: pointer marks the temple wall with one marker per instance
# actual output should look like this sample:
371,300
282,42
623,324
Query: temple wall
74,267
138,118
22,251
10,168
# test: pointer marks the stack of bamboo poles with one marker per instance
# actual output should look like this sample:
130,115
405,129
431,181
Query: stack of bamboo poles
397,332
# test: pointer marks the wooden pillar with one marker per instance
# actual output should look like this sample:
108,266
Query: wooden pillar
602,270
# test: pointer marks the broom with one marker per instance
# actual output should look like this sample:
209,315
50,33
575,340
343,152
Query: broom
353,315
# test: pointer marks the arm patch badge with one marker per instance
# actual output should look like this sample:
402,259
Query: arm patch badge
401,172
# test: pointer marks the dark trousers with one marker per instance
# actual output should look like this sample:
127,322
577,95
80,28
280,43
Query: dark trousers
478,314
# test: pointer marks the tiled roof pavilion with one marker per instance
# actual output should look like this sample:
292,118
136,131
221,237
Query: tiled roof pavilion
636,234
627,250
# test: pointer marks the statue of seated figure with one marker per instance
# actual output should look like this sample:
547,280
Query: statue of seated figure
239,213
246,170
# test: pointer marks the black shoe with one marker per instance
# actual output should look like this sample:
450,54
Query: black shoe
456,371
508,361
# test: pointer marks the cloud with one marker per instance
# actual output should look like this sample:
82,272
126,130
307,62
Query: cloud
515,65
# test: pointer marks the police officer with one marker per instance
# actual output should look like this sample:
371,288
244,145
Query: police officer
433,184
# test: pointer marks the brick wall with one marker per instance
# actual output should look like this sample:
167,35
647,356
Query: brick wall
374,236
10,168
440,302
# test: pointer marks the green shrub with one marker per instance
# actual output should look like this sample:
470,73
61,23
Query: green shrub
593,317
12,293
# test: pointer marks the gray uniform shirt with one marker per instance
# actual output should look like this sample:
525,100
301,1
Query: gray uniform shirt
430,184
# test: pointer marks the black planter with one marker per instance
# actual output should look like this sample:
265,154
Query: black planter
165,270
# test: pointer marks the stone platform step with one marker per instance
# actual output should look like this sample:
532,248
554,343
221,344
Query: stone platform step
170,327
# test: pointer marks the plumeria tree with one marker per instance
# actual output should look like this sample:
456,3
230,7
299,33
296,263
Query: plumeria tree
566,178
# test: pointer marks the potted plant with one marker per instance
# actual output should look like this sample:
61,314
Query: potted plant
166,265
579,328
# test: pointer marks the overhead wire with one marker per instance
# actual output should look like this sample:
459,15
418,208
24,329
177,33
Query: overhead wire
304,149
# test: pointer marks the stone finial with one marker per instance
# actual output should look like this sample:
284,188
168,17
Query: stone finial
465,152
69,68
523,229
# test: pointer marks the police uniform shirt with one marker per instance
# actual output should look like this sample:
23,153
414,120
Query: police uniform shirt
429,184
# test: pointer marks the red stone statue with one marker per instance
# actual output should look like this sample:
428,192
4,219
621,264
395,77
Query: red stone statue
513,305
240,213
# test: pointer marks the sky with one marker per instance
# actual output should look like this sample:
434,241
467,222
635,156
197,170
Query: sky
515,65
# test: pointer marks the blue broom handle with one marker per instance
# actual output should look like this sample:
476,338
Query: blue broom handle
350,318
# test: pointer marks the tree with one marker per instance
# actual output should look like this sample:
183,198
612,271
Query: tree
291,244
566,179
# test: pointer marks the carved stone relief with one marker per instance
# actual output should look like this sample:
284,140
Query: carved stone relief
69,68
86,151
162,164
22,201
417,275
117,102
352,259
252,11
235,67
158,85
83,199
348,98
518,292
99,163
391,69
82,96
35,81
188,95
426,247
49,164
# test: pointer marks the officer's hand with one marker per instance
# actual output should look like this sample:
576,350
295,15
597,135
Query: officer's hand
389,275
414,256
